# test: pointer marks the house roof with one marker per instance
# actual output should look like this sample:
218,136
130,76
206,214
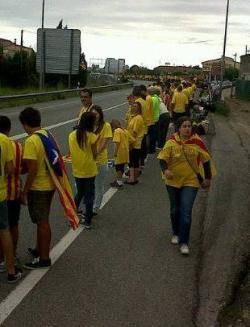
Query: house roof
7,44
218,59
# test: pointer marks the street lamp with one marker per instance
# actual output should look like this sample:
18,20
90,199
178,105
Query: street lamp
224,49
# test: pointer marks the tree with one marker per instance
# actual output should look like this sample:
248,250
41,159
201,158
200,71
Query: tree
60,25
231,73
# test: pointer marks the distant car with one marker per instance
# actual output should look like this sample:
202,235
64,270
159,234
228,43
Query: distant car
226,84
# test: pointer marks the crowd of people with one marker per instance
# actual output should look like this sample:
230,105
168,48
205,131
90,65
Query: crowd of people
158,120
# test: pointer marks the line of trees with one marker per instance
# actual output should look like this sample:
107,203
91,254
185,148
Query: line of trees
19,71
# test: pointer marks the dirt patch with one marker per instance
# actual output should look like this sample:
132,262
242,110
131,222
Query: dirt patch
240,112
237,314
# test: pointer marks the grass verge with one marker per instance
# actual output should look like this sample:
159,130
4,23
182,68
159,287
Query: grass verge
222,108
61,96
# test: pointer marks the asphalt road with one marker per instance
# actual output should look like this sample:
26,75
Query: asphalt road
124,272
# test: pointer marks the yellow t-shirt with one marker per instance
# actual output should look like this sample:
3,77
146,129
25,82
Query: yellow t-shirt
193,87
187,92
34,150
122,137
106,133
136,128
149,110
83,163
180,101
183,174
128,116
172,90
6,155
143,113
84,109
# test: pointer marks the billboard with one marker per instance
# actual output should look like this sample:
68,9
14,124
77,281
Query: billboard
58,51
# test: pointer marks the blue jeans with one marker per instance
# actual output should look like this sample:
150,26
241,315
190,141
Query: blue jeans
99,185
181,205
86,189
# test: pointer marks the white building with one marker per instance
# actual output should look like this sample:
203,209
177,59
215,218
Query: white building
121,65
114,66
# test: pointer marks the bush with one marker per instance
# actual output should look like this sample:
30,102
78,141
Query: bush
221,108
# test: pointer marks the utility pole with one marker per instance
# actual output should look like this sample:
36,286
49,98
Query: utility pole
42,73
232,88
43,14
224,49
21,52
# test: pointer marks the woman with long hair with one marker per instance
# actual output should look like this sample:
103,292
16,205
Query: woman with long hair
104,133
186,166
82,146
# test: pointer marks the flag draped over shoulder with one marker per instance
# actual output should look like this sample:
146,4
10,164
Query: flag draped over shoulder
14,183
196,142
59,176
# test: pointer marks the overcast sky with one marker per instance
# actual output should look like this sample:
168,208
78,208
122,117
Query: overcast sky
148,32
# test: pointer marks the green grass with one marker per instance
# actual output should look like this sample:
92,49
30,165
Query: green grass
229,315
222,108
46,98
13,91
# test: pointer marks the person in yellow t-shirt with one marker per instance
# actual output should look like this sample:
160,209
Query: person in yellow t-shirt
140,97
38,190
82,146
6,168
122,140
136,128
13,187
86,98
104,132
131,100
186,90
179,104
186,165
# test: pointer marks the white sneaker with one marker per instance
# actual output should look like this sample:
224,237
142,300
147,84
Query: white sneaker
2,267
81,221
175,240
184,249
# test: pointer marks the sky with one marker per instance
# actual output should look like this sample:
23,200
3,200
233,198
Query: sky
144,32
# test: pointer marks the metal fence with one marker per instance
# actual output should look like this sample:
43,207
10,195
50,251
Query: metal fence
243,89
94,89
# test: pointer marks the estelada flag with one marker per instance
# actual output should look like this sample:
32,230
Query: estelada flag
57,170
194,142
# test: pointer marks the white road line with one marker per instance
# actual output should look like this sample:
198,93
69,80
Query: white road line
107,196
23,135
19,293
31,280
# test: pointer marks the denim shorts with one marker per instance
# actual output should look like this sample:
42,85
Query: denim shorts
4,221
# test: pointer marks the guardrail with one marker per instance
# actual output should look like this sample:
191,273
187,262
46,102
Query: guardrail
32,95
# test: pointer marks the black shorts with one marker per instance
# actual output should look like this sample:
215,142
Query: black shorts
120,167
39,203
134,158
4,223
14,208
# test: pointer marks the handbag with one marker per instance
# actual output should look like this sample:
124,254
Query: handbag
198,175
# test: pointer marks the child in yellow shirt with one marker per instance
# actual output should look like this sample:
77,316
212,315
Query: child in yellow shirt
136,128
122,139
131,100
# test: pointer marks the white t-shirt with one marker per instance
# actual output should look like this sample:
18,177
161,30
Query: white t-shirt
163,107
